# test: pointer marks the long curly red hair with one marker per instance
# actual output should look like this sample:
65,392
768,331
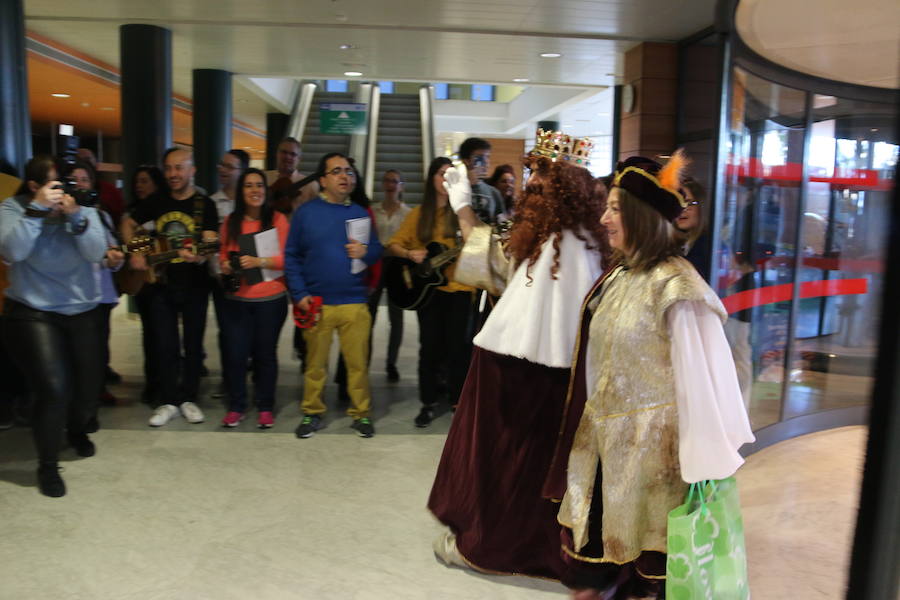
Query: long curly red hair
558,196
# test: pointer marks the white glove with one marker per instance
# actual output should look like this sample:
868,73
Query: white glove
456,182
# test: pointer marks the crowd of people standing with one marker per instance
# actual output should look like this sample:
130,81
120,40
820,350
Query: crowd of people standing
184,246
580,348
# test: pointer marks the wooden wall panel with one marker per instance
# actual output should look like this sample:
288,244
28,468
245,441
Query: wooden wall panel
507,151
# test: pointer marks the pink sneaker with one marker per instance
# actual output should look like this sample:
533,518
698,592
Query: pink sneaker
266,420
232,419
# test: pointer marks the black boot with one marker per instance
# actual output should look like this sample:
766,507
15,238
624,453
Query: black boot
92,425
82,444
425,416
49,481
393,375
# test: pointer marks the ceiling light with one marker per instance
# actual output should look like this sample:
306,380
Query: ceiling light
346,46
107,108
85,104
61,95
521,80
551,55
352,73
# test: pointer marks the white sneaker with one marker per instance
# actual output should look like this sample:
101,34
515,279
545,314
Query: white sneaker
163,414
191,412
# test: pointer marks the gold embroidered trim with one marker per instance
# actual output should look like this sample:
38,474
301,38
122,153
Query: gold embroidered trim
652,178
589,559
635,411
565,412
648,576
475,567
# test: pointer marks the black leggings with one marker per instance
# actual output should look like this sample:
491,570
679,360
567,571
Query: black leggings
445,344
61,357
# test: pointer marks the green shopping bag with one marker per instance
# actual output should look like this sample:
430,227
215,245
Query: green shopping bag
706,552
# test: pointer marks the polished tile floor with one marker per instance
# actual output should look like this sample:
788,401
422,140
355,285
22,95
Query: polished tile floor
198,512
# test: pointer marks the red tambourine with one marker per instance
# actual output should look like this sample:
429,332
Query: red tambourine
308,319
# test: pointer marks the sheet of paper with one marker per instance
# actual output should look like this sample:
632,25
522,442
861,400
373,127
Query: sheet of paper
359,230
267,245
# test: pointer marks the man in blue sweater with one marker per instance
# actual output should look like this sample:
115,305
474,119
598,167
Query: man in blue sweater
318,261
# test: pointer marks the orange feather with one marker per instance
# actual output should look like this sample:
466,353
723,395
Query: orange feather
671,175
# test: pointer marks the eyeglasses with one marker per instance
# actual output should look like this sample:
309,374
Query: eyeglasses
339,171
391,181
225,165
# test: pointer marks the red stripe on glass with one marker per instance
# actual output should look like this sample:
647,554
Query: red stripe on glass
781,293
855,178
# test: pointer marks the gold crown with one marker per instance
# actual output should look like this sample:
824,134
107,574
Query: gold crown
557,145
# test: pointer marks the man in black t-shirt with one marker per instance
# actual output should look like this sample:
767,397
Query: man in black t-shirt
182,215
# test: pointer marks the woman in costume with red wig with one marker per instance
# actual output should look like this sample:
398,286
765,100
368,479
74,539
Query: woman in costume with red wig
490,485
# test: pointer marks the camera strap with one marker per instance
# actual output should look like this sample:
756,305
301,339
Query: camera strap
199,206
47,215
107,223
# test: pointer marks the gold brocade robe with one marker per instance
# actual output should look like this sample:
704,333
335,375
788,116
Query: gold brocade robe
630,419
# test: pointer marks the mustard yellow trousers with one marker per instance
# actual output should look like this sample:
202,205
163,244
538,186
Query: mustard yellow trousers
353,323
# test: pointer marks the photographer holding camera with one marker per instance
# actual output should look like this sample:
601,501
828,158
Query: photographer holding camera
51,326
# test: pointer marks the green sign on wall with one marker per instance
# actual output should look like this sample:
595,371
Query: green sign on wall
345,118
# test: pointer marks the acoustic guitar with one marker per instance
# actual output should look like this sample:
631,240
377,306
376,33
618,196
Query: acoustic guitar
410,285
158,252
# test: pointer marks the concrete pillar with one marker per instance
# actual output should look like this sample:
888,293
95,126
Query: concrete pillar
212,124
15,118
146,88
276,130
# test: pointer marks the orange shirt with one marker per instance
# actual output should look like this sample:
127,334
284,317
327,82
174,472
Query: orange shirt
263,289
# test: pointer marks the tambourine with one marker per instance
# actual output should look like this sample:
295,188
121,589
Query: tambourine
308,319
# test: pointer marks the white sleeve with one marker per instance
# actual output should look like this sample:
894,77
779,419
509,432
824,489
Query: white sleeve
712,420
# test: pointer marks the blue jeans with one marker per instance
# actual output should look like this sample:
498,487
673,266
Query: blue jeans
251,330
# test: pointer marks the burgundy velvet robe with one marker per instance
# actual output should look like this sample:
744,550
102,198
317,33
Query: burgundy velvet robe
503,469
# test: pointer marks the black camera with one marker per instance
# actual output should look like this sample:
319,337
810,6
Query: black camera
82,197
232,283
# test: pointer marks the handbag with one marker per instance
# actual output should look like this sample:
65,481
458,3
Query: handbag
482,263
706,553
